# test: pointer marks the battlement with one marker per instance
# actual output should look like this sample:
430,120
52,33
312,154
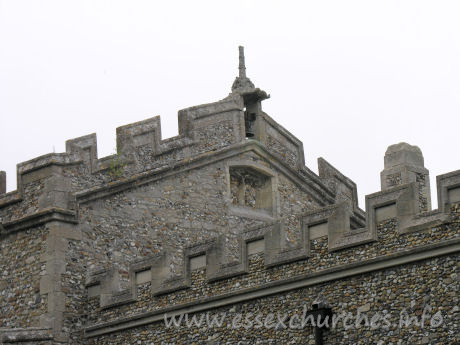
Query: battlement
400,204
226,212
133,141
202,129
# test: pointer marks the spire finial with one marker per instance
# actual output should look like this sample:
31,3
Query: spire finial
243,85
242,66
242,82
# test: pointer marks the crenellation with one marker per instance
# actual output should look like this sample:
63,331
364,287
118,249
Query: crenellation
84,149
132,137
346,254
334,219
445,183
223,216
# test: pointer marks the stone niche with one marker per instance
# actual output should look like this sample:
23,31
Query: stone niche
251,188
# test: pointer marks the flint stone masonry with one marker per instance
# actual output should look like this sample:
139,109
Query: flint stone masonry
345,295
21,303
223,217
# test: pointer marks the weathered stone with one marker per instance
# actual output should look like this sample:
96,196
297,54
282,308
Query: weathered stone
223,218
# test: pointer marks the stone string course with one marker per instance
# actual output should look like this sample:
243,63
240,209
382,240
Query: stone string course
95,250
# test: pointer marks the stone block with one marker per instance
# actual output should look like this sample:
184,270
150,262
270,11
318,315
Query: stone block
318,230
197,262
39,174
146,132
49,283
143,276
56,301
255,247
94,290
454,195
446,186
385,212
85,149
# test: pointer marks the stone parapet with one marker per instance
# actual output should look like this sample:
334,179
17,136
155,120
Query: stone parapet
331,222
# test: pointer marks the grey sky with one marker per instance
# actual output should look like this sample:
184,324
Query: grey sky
348,78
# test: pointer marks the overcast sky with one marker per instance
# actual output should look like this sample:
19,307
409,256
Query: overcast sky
348,78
